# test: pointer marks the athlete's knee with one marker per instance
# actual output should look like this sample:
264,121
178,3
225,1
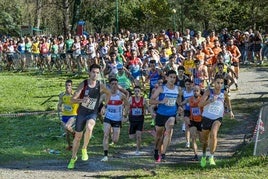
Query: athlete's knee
213,136
106,134
78,136
138,134
90,126
168,132
115,139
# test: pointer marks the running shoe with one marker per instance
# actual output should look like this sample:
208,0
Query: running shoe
163,157
158,160
211,161
195,158
84,155
72,163
183,127
104,159
203,162
187,145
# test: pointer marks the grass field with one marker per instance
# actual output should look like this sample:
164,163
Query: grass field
30,137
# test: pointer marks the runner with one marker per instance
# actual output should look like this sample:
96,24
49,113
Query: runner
185,94
125,80
87,95
213,103
114,116
68,111
153,76
138,104
200,75
166,113
195,118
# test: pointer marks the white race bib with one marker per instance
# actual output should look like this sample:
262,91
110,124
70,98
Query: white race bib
90,103
214,108
171,102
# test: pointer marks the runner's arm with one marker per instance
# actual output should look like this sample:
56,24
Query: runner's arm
60,102
153,100
106,92
75,98
228,103
205,99
126,105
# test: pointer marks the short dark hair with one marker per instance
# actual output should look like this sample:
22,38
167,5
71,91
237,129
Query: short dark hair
188,80
181,68
112,79
218,76
137,87
69,81
220,64
94,66
153,61
171,72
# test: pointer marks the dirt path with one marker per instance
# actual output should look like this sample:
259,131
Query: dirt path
254,84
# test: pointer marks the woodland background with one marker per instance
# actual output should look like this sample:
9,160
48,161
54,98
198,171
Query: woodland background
61,16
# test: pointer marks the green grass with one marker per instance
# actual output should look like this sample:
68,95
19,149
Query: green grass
21,92
28,138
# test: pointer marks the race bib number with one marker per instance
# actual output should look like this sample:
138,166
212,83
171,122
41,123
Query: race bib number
67,108
196,111
112,110
90,103
214,108
136,111
171,102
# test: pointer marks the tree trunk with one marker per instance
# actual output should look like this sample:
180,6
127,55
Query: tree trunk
66,17
38,15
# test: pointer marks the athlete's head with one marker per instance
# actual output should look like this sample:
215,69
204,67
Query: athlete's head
137,90
152,63
188,83
218,81
68,85
94,71
111,80
196,90
171,76
220,66
181,70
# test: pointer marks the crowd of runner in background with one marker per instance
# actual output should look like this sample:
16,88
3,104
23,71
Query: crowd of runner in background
74,54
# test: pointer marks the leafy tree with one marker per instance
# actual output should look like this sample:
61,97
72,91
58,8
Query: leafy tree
10,15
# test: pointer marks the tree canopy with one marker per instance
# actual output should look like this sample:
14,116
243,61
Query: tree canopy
61,16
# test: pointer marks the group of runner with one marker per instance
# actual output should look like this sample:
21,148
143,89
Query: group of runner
204,114
75,54
188,76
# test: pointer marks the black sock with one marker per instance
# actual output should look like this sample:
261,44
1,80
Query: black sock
163,156
155,154
105,152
